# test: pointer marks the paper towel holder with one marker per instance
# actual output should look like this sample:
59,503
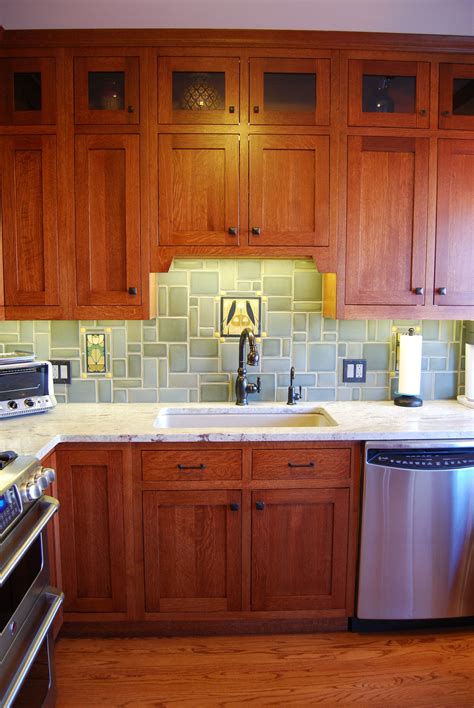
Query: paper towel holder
407,400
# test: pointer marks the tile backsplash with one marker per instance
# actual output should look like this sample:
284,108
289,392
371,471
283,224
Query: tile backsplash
180,357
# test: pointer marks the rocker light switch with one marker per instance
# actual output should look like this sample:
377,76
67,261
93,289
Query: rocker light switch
61,371
354,370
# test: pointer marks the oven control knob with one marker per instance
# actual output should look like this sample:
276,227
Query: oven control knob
29,403
12,404
49,473
41,480
30,491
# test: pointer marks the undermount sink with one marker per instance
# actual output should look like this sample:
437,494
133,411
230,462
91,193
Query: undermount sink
243,418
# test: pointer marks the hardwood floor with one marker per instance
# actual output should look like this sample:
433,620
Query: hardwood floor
416,669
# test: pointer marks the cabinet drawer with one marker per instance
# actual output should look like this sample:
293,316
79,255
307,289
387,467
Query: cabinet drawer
191,465
295,463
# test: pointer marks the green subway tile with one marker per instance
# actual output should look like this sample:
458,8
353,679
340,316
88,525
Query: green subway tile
187,264
157,350
341,349
277,267
173,277
130,383
427,386
330,336
248,270
42,326
371,331
119,343
173,329
134,348
299,337
178,301
377,355
425,363
183,381
256,286
279,304
149,323
75,368
435,349
26,331
314,327
163,373
134,366
207,312
307,286
281,395
119,368
81,392
60,398
375,394
214,378
329,324
41,347
304,264
354,350
286,347
141,395
307,306
204,365
326,380
382,380
384,330
279,324
277,364
120,396
193,322
271,347
9,328
203,347
163,302
300,322
343,394
356,394
273,285
149,334
64,333
430,329
193,396
21,346
437,364
214,392
298,357
110,323
322,357
445,385
268,387
150,373
321,394
230,355
205,283
134,331
175,395
371,379
104,390
454,356
178,357
245,286
301,379
227,271
193,301
352,331
446,331
64,353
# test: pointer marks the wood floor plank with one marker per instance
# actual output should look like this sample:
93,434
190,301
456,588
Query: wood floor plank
416,669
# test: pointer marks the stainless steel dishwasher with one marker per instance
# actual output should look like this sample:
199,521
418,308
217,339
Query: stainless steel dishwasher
417,535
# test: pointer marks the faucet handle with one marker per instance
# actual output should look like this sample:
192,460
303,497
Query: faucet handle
258,384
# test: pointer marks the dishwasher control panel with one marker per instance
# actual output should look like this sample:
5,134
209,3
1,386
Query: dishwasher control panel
428,460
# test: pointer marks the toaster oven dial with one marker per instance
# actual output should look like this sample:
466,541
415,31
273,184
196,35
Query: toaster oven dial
12,404
29,403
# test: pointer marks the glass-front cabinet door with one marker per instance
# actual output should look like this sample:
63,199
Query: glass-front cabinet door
198,90
456,96
389,93
289,91
28,91
106,90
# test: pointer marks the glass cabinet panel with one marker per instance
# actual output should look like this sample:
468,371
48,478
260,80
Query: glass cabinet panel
456,96
198,91
388,94
106,90
291,92
463,97
27,91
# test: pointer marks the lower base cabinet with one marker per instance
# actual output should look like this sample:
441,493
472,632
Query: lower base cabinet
158,536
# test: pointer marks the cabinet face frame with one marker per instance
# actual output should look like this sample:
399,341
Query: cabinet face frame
258,67
130,66
229,66
46,66
447,74
387,67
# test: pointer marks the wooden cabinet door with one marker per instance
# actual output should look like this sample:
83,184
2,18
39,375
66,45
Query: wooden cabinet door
28,94
29,204
198,90
192,551
289,190
91,523
456,96
299,549
107,193
198,199
389,93
454,269
289,91
106,90
387,201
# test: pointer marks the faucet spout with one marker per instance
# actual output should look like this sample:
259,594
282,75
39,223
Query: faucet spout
242,387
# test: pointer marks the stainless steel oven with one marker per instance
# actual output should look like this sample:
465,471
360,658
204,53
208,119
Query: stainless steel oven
28,604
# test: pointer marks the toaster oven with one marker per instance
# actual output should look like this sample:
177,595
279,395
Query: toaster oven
26,387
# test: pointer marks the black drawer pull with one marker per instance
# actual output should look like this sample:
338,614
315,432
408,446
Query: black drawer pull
133,291
260,506
191,467
130,109
231,109
293,465
234,506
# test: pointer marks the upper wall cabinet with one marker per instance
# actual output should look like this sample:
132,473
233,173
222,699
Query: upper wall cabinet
456,96
106,90
28,93
198,90
289,91
389,93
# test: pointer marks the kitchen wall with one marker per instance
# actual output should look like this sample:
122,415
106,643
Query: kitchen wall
180,357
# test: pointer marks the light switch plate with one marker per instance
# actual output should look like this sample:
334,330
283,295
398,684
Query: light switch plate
354,370
61,371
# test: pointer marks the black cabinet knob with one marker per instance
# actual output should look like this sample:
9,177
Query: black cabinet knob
231,109
133,291
445,113
260,505
442,291
256,230
423,112
232,231
256,109
130,109
419,291
234,506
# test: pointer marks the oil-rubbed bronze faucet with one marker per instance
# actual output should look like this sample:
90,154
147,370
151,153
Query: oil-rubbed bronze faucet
242,386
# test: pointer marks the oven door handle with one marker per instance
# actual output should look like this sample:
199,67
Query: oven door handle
55,601
49,507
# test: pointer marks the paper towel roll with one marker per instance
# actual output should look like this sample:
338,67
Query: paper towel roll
469,382
410,364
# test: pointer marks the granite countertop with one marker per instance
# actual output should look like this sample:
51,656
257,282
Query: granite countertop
114,422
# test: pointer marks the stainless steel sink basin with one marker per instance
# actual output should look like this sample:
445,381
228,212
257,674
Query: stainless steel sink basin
246,418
